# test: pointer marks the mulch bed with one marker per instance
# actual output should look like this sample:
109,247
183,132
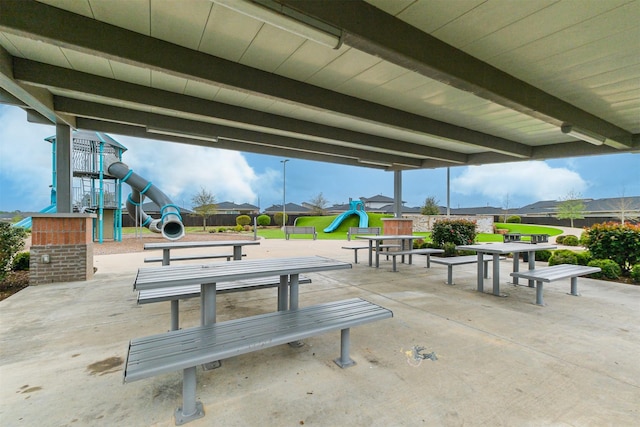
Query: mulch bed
14,281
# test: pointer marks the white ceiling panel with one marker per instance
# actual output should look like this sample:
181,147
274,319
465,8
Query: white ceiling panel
229,96
487,18
307,60
346,66
88,63
552,19
81,7
37,51
370,79
270,48
181,22
131,73
228,34
5,41
431,15
167,82
123,13
201,90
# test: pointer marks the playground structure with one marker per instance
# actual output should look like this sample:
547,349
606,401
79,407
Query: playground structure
356,207
98,174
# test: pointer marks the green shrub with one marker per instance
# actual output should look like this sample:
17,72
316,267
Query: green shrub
560,239
417,243
11,242
583,257
570,240
457,231
610,270
449,249
238,228
221,229
277,218
584,239
514,219
543,255
264,220
21,261
243,220
635,273
617,242
563,256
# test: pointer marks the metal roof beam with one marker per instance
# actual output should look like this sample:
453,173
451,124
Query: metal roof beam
51,76
35,98
69,30
199,130
408,47
141,132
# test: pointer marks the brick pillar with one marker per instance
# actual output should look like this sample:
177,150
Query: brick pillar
397,226
61,248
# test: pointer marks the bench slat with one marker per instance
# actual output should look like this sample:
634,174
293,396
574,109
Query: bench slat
148,296
555,272
229,257
177,350
425,251
459,260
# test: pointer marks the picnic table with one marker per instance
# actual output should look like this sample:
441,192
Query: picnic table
166,247
497,249
534,238
406,242
204,345
207,275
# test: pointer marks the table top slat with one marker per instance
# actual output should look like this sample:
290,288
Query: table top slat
165,276
505,248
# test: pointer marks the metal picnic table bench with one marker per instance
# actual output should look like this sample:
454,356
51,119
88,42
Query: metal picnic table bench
187,348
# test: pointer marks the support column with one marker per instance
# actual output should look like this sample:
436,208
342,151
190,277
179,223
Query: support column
64,169
397,194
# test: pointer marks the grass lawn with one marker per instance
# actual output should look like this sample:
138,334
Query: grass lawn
375,220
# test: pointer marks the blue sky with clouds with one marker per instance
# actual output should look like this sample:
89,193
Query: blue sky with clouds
181,170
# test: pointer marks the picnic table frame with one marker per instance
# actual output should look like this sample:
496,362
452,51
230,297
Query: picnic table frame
207,275
497,249
168,246
404,238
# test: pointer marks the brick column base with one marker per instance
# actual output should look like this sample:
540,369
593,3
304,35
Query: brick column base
61,248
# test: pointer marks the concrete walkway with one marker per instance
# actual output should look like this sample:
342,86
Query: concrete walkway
449,357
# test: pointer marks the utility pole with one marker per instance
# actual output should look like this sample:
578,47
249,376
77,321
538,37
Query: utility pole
284,191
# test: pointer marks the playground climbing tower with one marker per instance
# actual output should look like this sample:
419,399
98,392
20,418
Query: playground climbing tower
94,189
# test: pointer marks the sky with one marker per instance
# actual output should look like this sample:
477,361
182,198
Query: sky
181,171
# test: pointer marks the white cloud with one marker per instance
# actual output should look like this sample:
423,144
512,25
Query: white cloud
25,161
534,180
178,170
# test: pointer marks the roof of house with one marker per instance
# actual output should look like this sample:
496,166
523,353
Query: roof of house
233,206
290,207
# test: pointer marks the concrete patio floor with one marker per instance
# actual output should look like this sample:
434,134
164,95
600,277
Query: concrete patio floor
493,361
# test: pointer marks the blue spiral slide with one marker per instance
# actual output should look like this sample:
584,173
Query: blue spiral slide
356,207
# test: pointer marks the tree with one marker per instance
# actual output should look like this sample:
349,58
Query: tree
506,207
318,203
430,206
625,209
204,204
571,207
